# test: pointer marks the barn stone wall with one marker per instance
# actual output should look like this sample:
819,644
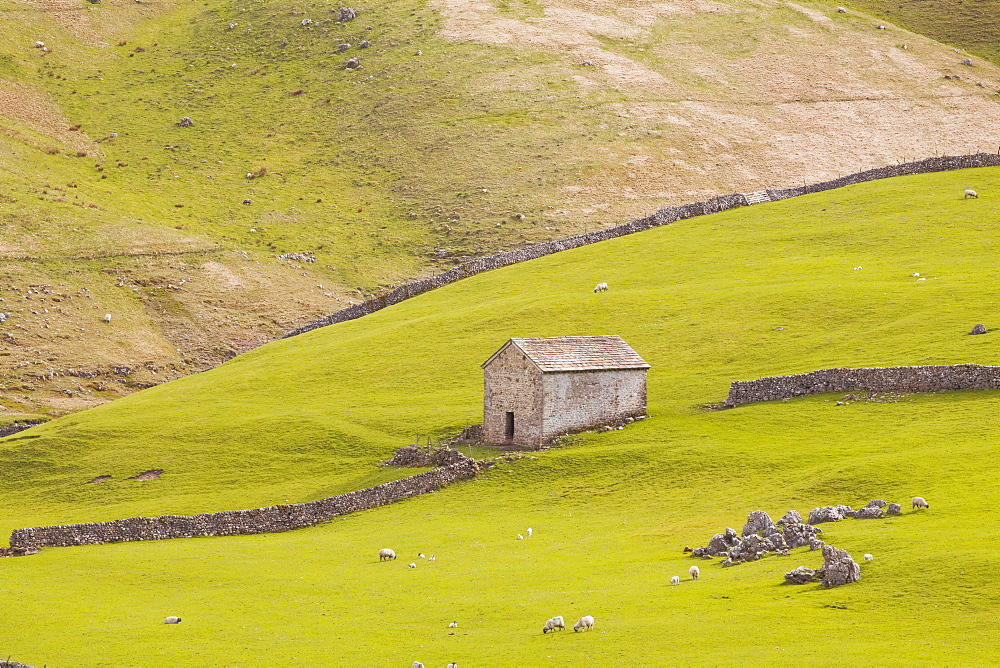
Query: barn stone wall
664,216
928,378
577,400
241,522
512,383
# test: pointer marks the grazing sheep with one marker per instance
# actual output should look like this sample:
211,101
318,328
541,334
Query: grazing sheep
857,269
676,580
420,555
453,625
417,664
695,572
971,193
452,665
432,558
601,287
107,317
553,624
520,537
39,45
413,565
172,620
385,553
529,532
841,10
868,557
585,623
918,502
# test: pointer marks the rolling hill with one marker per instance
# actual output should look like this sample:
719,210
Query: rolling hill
764,290
496,135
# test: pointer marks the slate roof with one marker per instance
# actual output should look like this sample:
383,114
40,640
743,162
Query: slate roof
577,353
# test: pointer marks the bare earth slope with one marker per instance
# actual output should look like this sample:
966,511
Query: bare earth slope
497,134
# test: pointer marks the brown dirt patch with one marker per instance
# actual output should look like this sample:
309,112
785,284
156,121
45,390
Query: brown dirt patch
736,96
35,111
99,479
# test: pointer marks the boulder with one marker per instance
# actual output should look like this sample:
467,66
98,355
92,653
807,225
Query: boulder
978,329
185,122
868,513
347,14
716,546
838,567
893,509
799,535
800,576
879,503
825,514
815,544
758,520
791,517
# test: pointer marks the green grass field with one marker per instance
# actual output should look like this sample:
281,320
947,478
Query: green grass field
701,300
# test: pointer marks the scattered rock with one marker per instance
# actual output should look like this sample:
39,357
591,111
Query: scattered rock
841,10
353,64
307,256
343,47
151,474
99,479
978,329
307,22
419,53
826,514
838,567
185,122
868,513
791,517
347,14
4,316
893,509
879,503
967,62
758,520
364,44
815,544
247,201
586,63
799,535
800,576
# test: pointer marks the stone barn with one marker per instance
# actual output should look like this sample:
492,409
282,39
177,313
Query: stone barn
538,389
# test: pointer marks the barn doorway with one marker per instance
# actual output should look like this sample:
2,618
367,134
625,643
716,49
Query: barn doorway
509,426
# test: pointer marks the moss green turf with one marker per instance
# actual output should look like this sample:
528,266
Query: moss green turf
702,300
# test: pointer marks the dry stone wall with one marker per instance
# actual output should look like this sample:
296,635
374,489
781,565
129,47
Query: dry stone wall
241,522
876,379
664,216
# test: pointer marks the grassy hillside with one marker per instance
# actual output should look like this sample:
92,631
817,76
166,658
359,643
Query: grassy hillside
969,25
766,290
494,136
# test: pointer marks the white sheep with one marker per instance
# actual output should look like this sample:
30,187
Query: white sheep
857,269
107,317
553,624
918,502
868,557
413,565
385,553
420,555
39,45
695,572
172,620
676,580
585,623
971,193
520,537
841,10
453,625
432,558
529,532
452,665
601,287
